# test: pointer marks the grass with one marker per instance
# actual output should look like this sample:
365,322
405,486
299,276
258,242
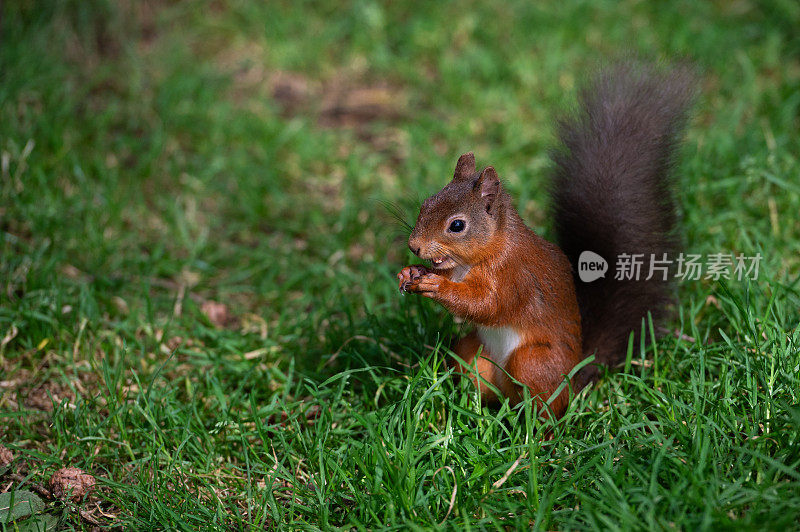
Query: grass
158,158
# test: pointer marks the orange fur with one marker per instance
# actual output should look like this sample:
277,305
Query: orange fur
611,191
503,276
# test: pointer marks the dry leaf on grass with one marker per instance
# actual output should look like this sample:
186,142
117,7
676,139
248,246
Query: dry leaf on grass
217,313
5,456
71,482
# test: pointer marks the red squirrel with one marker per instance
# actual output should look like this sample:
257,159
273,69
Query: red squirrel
611,193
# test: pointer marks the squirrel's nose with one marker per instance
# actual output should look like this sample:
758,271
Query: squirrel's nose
413,245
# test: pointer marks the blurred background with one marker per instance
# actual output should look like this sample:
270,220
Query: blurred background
200,195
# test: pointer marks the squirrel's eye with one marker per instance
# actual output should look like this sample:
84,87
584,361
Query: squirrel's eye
456,226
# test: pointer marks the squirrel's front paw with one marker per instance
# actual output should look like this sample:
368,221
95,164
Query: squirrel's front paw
409,275
426,285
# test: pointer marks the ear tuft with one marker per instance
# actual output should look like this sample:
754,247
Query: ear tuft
489,185
465,166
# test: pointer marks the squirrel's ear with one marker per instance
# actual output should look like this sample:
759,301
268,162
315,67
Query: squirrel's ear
489,185
465,166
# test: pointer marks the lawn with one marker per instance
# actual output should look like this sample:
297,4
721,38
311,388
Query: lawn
200,225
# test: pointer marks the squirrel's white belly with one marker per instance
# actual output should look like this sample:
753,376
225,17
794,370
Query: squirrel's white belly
498,342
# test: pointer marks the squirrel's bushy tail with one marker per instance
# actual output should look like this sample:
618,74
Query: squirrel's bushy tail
612,194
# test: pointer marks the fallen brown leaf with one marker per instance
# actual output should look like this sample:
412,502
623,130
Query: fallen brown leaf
72,483
5,456
217,313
